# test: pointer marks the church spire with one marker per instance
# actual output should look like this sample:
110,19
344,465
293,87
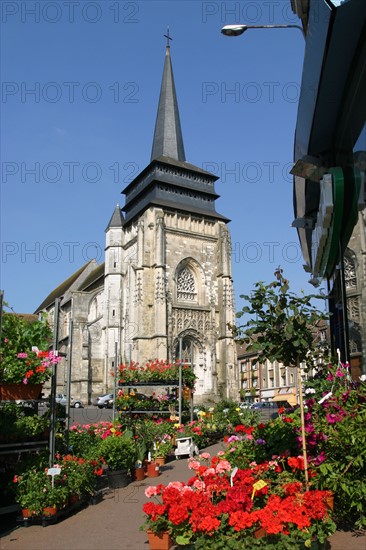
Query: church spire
168,140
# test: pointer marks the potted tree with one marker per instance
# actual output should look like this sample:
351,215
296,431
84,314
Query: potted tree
282,329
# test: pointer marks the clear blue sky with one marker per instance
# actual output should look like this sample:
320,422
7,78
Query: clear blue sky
73,143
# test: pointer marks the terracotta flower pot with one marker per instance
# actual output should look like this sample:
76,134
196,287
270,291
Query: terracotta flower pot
160,460
163,541
153,469
139,474
330,502
27,513
49,511
259,533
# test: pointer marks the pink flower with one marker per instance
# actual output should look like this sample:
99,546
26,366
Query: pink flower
193,464
233,438
150,491
205,456
22,355
339,373
6,340
25,380
198,484
223,466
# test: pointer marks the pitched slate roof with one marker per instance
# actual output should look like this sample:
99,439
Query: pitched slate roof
61,290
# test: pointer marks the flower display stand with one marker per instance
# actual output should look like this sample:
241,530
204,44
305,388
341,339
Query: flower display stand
185,446
162,541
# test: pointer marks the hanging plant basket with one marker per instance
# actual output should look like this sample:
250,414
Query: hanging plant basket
14,392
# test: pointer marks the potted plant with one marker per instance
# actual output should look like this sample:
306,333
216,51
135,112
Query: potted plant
118,452
140,455
163,446
80,478
55,497
247,504
157,526
28,488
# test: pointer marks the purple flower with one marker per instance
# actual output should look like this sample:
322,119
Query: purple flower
259,442
320,458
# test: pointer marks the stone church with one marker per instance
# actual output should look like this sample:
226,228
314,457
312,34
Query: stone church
166,278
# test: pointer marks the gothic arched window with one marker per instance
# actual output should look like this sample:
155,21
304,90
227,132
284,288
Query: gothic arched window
186,286
350,277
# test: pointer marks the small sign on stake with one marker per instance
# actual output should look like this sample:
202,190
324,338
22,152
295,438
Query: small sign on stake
53,472
233,474
257,486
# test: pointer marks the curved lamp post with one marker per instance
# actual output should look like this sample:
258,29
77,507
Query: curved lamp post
237,30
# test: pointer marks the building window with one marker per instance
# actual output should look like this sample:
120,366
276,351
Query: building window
186,287
350,278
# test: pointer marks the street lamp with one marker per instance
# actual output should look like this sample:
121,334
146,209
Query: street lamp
237,30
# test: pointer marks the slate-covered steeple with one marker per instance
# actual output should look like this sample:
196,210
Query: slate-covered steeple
169,181
116,219
168,140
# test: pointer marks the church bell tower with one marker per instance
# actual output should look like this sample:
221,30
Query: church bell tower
169,261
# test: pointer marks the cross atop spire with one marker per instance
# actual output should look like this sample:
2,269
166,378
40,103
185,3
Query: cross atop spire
168,37
168,139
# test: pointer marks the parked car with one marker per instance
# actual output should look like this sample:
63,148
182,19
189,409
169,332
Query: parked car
61,398
266,405
245,404
268,410
102,400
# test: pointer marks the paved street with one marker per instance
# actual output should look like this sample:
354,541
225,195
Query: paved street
114,523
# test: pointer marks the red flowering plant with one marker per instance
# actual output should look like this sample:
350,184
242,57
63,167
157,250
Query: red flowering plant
20,359
155,371
222,505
